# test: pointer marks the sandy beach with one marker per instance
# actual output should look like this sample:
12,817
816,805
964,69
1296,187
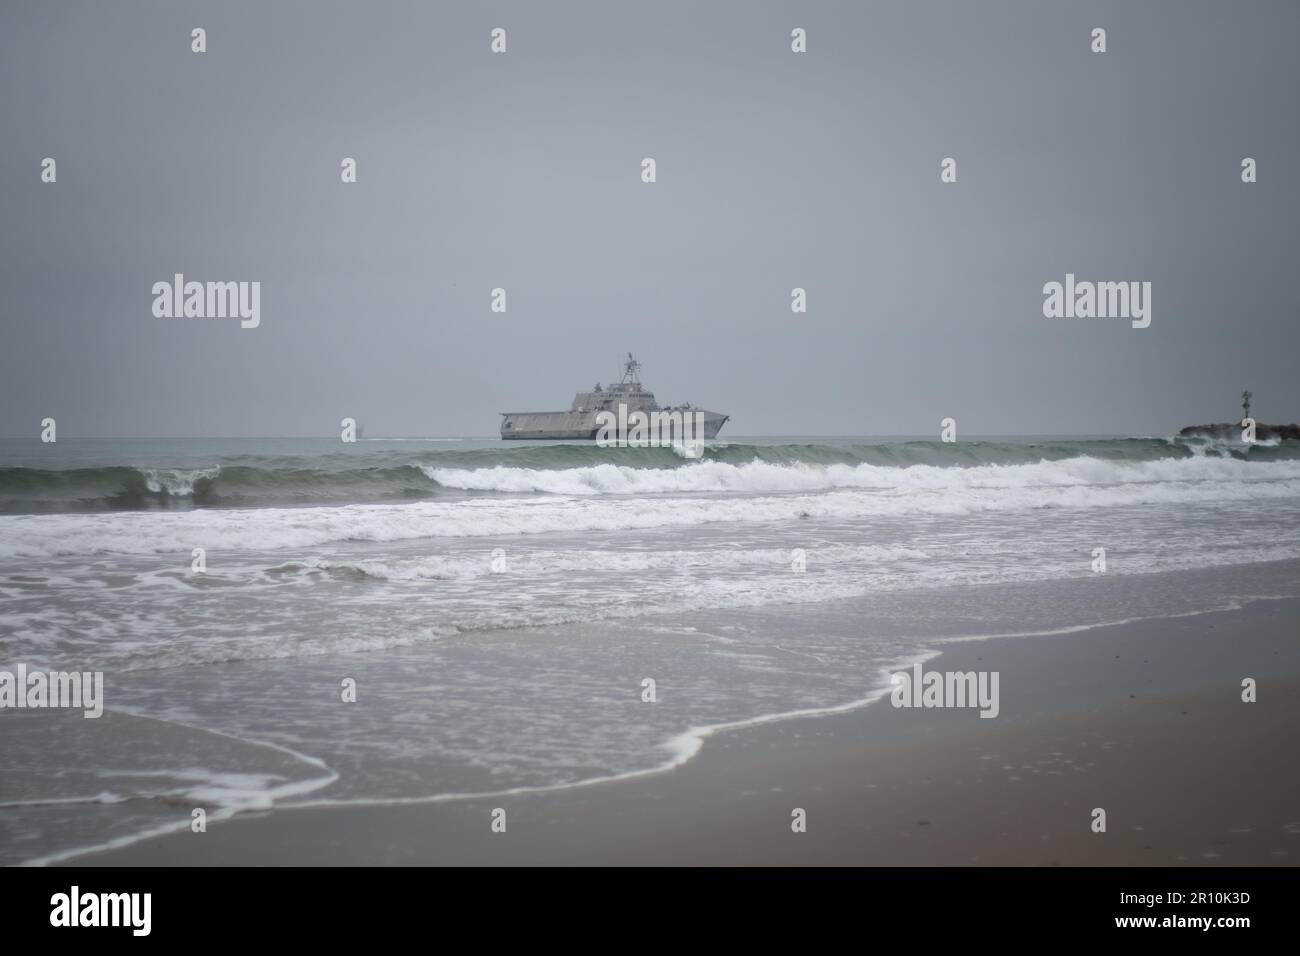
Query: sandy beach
1144,720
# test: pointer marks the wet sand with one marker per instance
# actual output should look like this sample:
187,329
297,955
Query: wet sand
1144,720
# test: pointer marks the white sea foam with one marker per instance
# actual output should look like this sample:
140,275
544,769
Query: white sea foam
612,498
176,482
758,477
536,562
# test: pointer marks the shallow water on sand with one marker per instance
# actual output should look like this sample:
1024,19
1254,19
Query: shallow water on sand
499,629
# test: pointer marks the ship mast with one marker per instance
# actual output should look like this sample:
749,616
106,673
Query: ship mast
630,369
1245,404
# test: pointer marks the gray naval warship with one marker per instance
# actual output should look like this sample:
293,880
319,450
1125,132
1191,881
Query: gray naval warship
580,422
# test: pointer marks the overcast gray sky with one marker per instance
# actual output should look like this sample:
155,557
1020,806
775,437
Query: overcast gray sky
522,170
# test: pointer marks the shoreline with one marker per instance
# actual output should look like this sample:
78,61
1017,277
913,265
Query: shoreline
1098,719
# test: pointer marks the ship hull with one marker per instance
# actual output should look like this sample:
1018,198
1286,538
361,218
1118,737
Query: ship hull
579,426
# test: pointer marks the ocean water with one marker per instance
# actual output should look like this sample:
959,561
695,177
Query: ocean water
498,604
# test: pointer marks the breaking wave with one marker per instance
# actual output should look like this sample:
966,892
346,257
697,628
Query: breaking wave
397,473
610,498
758,477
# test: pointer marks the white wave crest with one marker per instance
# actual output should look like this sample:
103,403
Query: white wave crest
610,498
763,477
174,481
